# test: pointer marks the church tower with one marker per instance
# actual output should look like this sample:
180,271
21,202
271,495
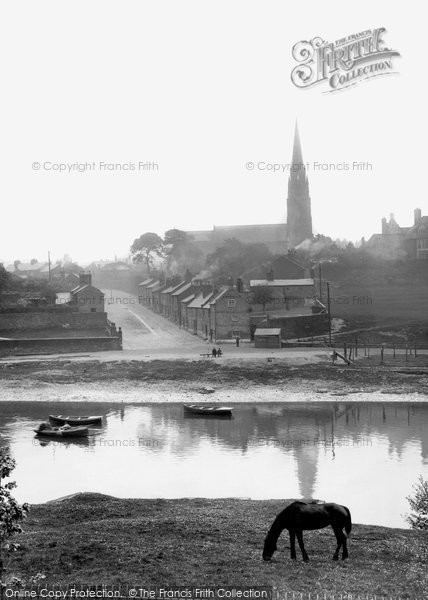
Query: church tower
299,219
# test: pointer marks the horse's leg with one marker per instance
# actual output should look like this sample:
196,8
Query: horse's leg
338,533
345,547
301,545
293,543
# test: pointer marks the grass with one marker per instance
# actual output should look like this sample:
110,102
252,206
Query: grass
96,539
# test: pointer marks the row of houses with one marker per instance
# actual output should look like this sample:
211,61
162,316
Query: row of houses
236,310
201,308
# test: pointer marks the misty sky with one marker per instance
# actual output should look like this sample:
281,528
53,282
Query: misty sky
200,88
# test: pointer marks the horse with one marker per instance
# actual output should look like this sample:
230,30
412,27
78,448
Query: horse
303,516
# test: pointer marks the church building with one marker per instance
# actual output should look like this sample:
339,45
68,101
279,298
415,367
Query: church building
278,237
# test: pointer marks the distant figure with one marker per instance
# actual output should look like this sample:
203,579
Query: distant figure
214,352
237,342
219,352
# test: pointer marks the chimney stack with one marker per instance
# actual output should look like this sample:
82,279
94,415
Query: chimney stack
239,285
269,275
85,279
418,215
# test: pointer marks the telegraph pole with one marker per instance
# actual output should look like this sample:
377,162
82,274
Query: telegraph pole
49,264
320,278
329,314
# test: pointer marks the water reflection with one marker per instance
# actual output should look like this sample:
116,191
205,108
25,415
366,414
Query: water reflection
348,453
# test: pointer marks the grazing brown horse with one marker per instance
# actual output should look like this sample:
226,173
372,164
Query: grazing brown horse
302,516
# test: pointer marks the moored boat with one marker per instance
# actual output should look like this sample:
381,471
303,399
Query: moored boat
208,410
75,421
65,431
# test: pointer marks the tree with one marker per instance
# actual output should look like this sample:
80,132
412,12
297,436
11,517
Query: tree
144,247
418,519
235,258
181,253
11,513
262,295
5,278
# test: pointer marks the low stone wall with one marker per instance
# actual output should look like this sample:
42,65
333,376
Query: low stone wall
51,320
59,345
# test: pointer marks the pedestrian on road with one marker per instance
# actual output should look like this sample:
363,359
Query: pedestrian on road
219,352
214,353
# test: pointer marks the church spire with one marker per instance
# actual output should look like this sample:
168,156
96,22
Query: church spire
297,149
299,219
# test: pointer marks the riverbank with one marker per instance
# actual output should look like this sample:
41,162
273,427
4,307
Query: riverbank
239,380
96,539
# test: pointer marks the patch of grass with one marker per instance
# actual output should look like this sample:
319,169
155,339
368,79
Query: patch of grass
94,539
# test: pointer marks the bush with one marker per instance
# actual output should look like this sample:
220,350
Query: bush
418,518
10,513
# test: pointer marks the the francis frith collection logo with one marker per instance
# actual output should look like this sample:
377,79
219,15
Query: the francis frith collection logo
342,63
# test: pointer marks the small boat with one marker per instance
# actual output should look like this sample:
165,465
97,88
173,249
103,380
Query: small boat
65,431
208,410
63,420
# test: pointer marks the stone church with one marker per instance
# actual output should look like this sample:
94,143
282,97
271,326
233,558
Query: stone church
278,237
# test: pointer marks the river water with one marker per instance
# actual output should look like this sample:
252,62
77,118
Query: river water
364,455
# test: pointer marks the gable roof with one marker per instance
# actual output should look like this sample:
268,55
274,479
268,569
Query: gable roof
145,282
154,284
184,287
188,299
200,300
87,287
172,288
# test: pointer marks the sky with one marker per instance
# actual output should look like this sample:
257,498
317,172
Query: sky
195,90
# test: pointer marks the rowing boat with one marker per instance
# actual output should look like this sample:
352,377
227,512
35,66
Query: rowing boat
75,421
66,431
208,410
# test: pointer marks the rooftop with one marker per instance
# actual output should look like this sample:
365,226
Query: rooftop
280,282
271,331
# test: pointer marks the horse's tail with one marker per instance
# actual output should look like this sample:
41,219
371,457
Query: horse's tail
348,522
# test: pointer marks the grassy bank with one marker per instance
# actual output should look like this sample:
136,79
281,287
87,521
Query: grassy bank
97,539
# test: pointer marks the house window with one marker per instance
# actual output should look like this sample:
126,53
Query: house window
235,318
236,333
93,310
231,303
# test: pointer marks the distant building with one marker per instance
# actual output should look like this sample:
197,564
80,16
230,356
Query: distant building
31,270
267,338
400,242
85,297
